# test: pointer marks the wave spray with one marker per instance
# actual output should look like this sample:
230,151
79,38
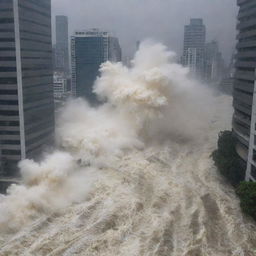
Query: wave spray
132,177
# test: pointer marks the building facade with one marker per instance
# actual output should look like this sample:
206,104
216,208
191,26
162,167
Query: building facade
89,49
26,91
244,87
62,48
194,47
191,60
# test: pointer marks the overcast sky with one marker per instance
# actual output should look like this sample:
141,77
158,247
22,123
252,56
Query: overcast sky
162,20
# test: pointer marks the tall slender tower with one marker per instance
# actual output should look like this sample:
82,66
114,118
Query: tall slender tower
194,47
26,86
244,92
61,50
89,49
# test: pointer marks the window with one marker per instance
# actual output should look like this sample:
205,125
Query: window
9,102
10,142
8,92
9,123
8,80
10,152
9,113
7,69
254,155
6,20
9,133
7,39
253,171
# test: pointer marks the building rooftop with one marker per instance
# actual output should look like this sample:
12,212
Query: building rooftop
196,22
91,33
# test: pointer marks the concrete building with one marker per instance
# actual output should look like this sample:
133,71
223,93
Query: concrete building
89,49
26,91
194,47
244,92
62,48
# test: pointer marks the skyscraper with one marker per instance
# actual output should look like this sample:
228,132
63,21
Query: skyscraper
89,49
194,47
61,49
26,90
244,92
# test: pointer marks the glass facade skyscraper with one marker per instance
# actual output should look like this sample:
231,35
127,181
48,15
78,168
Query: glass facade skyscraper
61,50
244,92
26,86
89,49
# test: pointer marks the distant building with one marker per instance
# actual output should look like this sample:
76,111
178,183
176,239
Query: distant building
226,85
232,66
244,92
61,48
54,56
59,85
127,61
214,63
89,49
137,45
61,90
26,91
194,47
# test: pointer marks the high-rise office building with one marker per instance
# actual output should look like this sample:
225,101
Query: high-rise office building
194,47
89,49
61,48
26,86
244,92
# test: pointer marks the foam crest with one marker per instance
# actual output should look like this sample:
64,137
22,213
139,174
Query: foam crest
132,176
151,102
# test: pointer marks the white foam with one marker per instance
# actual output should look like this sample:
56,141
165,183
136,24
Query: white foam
133,176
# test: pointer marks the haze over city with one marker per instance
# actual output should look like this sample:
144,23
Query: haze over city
162,20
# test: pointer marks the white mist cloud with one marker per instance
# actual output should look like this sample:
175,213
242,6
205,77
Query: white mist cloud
151,102
133,176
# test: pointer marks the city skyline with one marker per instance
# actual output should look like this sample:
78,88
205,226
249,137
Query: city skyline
62,43
146,156
142,21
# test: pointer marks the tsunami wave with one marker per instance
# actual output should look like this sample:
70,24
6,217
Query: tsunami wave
132,176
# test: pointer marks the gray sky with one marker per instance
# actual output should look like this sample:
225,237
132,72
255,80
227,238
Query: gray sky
162,20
